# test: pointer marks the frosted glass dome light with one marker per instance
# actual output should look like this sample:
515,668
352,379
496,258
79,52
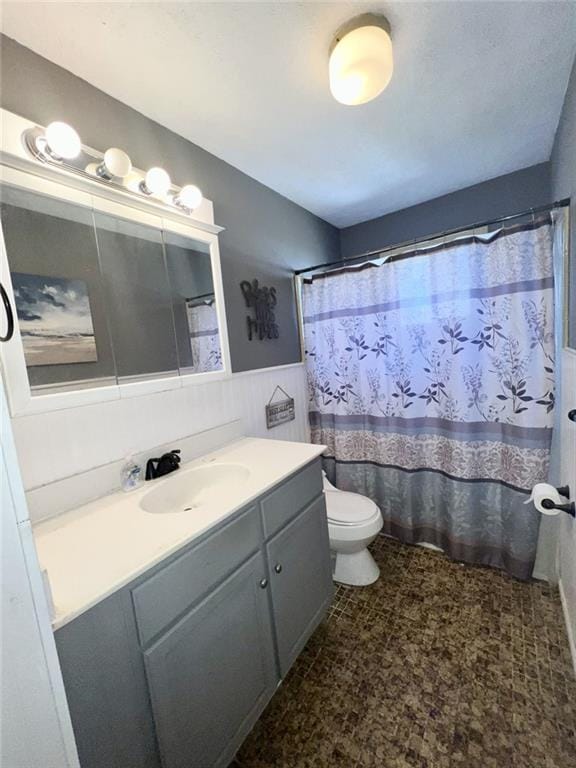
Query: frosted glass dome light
157,182
62,140
190,196
361,60
116,163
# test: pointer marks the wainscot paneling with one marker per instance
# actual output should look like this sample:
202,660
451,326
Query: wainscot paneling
61,444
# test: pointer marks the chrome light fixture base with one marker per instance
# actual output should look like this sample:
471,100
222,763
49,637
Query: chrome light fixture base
35,142
182,207
86,163
363,20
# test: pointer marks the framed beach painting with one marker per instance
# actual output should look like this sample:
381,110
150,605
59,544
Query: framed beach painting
55,320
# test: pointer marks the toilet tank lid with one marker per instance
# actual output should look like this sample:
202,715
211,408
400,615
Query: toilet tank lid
349,508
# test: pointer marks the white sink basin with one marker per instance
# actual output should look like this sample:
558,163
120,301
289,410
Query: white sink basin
190,489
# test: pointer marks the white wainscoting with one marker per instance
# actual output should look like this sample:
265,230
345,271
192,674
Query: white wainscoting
567,547
60,444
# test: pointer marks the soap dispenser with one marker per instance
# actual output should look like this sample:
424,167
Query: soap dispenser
131,474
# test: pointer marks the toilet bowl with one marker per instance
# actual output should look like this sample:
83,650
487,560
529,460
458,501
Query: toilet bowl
353,522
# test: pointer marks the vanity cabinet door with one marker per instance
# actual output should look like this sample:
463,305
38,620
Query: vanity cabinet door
212,674
105,682
300,579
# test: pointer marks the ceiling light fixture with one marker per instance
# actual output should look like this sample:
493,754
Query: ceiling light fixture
156,182
361,60
116,163
189,197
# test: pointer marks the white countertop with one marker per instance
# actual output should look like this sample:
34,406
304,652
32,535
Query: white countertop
92,551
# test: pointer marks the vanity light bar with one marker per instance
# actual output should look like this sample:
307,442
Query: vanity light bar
59,145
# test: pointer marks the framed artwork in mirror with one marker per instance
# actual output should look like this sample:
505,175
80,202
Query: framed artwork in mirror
55,320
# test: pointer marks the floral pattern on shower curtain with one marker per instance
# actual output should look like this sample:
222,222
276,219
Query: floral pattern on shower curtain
431,382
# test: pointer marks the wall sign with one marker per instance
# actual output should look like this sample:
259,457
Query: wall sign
280,411
262,301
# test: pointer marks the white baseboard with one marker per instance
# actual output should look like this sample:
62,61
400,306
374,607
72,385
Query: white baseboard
571,638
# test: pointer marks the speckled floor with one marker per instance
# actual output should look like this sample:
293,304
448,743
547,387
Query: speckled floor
437,665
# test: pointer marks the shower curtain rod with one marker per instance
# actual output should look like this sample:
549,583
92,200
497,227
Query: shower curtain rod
411,243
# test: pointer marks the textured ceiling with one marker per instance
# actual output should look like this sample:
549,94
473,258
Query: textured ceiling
477,89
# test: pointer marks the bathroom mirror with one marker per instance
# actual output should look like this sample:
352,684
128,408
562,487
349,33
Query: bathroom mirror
110,301
58,291
137,296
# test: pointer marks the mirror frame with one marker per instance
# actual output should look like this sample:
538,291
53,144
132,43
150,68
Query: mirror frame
22,400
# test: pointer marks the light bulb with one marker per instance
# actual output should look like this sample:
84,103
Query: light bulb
116,163
62,140
190,196
157,182
361,61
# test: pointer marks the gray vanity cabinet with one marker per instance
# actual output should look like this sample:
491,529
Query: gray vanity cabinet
211,675
106,687
174,669
300,580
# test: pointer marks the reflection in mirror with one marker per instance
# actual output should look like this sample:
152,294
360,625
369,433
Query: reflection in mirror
138,298
194,304
53,259
102,300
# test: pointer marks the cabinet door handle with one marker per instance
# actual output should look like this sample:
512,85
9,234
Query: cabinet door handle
263,583
9,315
572,414
278,568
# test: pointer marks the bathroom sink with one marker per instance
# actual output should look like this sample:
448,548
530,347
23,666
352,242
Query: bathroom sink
190,489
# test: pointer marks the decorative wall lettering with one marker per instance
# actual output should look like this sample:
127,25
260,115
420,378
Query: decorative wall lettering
262,301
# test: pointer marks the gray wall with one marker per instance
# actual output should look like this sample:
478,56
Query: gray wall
563,164
266,236
502,196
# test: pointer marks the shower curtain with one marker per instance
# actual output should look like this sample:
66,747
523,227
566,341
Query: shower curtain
431,381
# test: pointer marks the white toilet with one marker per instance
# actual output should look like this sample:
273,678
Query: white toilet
353,522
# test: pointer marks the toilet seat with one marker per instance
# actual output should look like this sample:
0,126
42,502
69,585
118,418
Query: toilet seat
347,509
